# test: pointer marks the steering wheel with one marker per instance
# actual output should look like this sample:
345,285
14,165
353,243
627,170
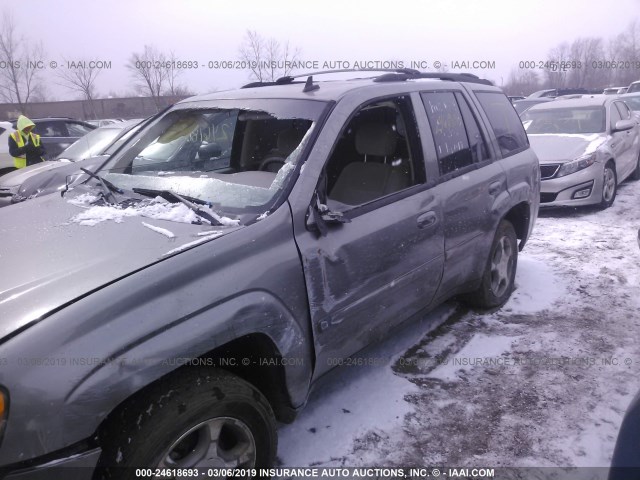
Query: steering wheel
272,163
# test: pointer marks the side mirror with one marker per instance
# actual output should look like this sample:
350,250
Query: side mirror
207,151
622,125
320,217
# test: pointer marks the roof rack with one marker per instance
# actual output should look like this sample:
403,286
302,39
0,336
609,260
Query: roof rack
391,75
291,78
453,77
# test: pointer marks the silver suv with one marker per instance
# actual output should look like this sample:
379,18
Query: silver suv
166,311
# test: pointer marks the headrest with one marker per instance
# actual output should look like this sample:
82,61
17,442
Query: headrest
376,139
288,140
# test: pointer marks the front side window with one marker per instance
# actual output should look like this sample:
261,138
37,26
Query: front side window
236,158
375,155
625,114
615,116
505,122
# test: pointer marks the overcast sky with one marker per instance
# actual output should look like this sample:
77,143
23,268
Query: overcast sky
325,30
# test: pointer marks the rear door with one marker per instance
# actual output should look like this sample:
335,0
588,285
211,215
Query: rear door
473,184
368,275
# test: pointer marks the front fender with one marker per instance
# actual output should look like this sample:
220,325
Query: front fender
95,353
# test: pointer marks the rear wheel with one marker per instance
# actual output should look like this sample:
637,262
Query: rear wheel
500,271
609,185
197,419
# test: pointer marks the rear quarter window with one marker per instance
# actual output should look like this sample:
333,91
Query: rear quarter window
505,122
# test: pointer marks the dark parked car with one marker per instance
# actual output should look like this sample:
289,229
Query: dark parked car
52,175
58,133
166,312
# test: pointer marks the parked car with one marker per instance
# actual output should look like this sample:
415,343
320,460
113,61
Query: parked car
513,98
6,160
586,147
611,91
522,106
52,175
234,249
622,90
634,87
57,133
558,92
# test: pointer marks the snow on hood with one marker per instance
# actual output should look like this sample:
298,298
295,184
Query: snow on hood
48,261
158,208
564,147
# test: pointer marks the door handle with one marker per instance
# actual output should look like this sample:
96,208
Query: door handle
495,188
427,219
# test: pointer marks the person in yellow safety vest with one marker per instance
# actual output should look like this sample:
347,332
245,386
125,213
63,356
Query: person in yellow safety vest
24,145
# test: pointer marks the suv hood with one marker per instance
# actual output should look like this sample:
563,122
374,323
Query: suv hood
48,260
557,147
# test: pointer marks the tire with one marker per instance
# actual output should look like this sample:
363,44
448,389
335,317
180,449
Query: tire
635,175
609,185
498,279
170,425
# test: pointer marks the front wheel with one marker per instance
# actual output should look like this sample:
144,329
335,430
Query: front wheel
609,185
199,419
498,279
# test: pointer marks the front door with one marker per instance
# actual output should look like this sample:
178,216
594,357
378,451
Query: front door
368,275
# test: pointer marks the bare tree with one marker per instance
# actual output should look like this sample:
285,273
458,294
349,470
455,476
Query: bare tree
626,48
149,72
173,87
587,51
81,79
556,77
267,59
522,82
24,62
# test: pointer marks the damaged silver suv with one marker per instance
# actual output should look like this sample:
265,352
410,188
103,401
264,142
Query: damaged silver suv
146,313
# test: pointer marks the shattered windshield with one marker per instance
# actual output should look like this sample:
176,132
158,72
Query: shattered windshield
236,158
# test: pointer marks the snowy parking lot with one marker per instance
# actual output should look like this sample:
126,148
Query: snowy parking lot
542,382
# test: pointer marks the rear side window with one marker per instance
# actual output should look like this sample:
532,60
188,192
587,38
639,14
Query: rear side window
505,122
51,129
455,132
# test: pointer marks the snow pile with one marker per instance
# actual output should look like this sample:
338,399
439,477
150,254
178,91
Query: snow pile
157,208
210,236
162,231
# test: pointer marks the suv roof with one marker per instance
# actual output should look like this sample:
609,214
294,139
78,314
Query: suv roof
289,87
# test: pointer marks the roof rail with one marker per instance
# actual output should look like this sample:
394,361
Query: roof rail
291,78
391,75
453,77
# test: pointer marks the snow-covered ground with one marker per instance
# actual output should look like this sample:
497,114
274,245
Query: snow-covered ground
544,381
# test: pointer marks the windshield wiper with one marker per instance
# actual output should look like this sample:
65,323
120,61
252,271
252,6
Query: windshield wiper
107,187
190,202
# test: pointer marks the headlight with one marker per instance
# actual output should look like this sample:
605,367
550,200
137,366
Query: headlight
576,165
4,410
